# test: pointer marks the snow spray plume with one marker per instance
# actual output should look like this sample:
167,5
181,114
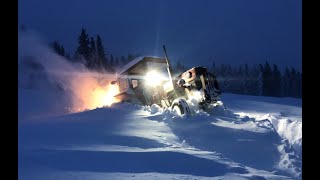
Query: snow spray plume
86,89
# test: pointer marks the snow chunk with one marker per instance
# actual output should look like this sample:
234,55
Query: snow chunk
289,161
290,130
155,109
184,144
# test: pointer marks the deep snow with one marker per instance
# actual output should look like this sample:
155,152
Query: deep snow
125,141
254,138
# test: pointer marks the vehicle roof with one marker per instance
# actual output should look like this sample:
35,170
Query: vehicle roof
136,61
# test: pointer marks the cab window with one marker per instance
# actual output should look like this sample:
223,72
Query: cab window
134,83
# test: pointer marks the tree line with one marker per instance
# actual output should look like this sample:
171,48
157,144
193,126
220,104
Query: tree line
92,54
261,80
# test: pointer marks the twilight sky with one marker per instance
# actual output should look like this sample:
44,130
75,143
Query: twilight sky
194,31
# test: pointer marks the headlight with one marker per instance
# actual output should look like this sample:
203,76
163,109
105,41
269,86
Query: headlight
154,78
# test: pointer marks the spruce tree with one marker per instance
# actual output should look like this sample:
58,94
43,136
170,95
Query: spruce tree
260,81
213,67
240,80
101,53
227,77
83,49
123,61
93,47
299,86
287,86
93,55
58,48
116,62
254,74
130,57
62,51
276,77
267,80
111,62
246,79
294,83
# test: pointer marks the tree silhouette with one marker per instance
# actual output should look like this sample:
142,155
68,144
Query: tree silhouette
101,56
83,49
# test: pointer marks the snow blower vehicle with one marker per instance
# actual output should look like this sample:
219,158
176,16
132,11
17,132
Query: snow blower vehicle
147,80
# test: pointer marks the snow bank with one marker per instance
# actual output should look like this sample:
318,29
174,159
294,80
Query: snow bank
289,161
290,130
154,109
288,146
286,128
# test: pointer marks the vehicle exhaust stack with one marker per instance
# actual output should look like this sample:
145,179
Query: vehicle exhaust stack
168,64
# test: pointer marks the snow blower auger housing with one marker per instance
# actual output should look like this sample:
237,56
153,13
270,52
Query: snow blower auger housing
147,80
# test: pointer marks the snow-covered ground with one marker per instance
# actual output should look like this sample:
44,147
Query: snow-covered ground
255,138
285,114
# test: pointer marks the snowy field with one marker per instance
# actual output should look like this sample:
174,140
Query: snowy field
254,138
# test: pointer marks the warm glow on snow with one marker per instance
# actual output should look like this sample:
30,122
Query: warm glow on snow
107,97
103,96
91,93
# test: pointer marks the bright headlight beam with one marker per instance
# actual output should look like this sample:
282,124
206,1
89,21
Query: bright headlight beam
153,78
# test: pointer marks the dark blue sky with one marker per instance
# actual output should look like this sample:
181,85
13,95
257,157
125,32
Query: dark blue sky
194,31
